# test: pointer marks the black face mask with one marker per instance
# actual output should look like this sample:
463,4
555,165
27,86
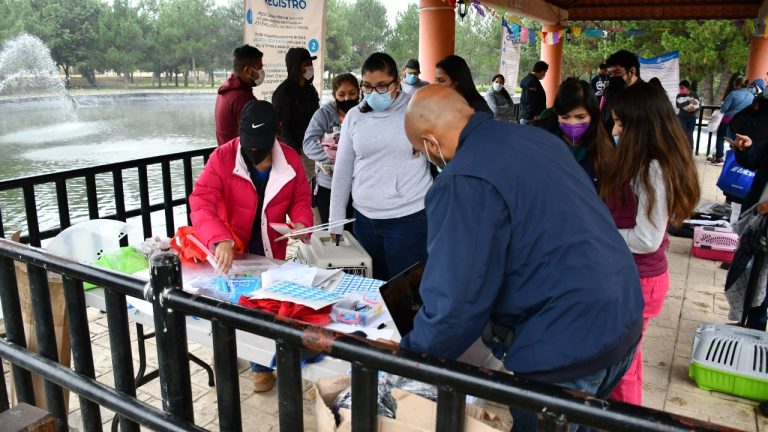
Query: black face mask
346,105
256,156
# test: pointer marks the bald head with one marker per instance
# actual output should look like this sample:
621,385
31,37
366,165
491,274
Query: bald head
436,110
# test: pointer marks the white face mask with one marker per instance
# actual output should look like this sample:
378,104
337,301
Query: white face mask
260,79
426,153
309,73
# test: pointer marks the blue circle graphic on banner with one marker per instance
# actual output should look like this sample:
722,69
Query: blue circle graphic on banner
314,45
249,16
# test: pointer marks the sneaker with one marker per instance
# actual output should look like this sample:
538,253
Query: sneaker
710,158
718,162
263,381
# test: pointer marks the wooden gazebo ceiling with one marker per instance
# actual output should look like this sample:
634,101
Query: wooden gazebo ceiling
597,10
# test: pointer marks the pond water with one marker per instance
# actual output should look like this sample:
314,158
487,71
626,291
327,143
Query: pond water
54,134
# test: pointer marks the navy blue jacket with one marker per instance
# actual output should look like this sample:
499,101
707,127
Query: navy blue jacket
517,235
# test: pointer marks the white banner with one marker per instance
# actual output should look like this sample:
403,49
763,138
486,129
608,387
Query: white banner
510,60
666,68
274,26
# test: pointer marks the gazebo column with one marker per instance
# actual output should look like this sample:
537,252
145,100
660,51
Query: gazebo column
553,56
757,65
437,35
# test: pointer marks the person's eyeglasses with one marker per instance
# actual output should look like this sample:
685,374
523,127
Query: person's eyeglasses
380,89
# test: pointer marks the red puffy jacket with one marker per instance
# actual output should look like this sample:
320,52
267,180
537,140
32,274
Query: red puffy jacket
224,196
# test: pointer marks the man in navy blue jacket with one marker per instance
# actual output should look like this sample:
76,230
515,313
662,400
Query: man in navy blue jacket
522,252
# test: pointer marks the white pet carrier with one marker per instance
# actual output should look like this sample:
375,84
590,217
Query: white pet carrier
731,360
348,256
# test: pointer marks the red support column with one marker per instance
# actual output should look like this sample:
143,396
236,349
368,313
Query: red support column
437,35
757,65
553,56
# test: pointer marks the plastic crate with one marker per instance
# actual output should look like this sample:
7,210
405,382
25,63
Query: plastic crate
714,243
731,360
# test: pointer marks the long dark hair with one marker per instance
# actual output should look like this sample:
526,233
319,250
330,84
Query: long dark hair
503,90
651,131
379,62
457,69
577,93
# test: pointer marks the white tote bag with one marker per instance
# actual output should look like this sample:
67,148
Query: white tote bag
714,121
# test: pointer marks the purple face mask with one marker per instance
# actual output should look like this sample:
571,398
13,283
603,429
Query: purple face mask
574,131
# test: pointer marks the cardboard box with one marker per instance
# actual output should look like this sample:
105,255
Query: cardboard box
60,324
414,413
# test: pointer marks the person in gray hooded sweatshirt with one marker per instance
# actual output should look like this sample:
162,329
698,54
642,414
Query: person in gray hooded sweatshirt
322,138
387,177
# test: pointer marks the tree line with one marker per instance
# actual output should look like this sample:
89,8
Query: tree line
184,38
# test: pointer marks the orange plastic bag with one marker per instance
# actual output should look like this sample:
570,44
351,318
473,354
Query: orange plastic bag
189,251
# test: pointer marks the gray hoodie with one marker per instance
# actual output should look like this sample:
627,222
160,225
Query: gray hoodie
376,162
323,121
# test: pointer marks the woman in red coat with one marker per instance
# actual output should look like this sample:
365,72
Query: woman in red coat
247,184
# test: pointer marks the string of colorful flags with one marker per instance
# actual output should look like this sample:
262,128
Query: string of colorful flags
522,34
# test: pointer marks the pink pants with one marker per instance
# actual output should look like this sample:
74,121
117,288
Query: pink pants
630,388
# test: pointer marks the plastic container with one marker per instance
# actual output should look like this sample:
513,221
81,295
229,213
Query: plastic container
714,243
357,309
731,360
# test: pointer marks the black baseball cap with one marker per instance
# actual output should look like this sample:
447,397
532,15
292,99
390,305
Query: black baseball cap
305,55
258,125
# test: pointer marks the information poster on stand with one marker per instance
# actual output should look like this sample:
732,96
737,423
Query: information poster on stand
666,68
274,26
510,60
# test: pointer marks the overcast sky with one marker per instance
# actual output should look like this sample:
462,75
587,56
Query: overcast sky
393,7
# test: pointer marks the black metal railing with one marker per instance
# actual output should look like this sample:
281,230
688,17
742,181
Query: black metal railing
30,187
558,406
700,124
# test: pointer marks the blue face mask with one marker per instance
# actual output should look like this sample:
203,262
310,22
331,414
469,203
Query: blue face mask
378,102
411,79
497,87
616,139
753,90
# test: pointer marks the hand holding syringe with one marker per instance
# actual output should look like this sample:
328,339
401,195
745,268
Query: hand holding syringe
211,258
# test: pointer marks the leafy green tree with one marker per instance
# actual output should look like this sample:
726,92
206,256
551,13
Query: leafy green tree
72,33
478,41
403,43
185,27
19,16
228,35
368,29
121,28
338,42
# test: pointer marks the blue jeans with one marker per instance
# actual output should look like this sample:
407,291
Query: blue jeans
758,316
689,125
256,368
600,384
393,244
723,131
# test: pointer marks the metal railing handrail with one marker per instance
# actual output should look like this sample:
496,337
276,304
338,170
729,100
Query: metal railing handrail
454,380
18,182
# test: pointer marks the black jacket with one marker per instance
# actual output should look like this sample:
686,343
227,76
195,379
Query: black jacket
295,104
533,99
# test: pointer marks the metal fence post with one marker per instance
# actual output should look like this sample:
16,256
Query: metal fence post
450,410
46,340
81,346
14,328
289,389
4,405
120,348
227,379
171,335
365,391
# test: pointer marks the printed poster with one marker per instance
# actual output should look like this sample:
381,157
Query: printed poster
510,60
666,68
274,26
